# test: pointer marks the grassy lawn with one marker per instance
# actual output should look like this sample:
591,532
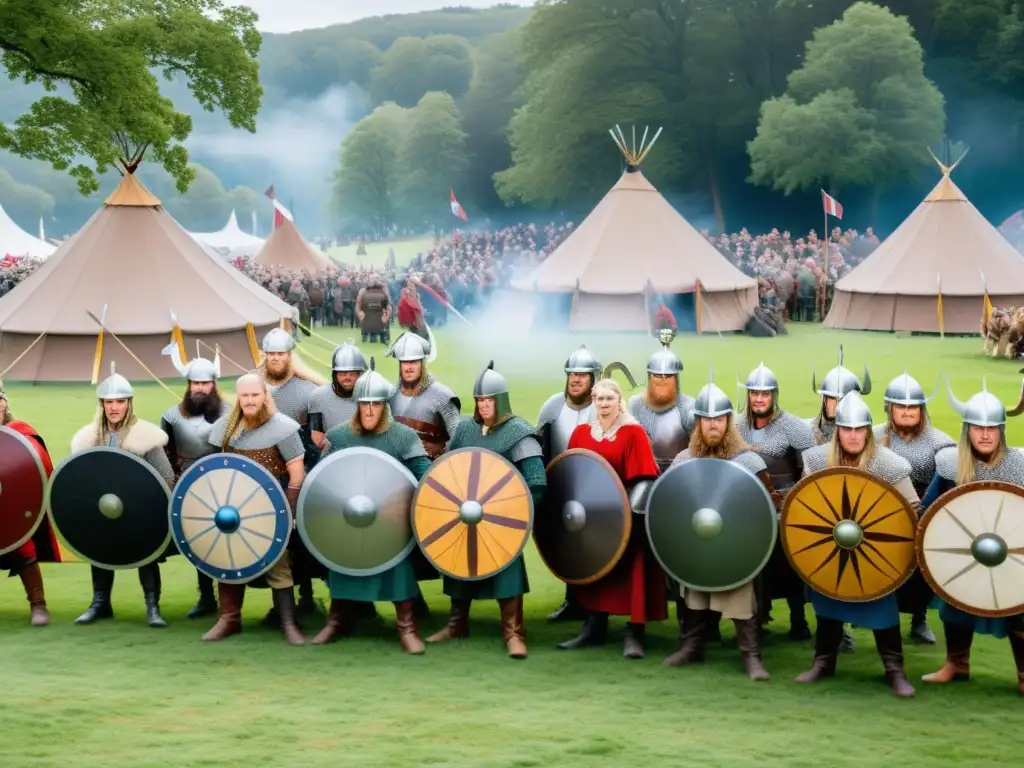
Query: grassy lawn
377,253
121,694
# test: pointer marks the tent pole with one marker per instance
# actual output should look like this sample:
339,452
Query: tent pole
700,311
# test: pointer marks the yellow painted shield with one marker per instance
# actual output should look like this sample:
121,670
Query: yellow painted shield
472,514
849,534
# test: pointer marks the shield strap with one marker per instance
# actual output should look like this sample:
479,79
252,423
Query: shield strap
433,436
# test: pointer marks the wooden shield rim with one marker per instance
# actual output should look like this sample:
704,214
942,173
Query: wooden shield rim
356,450
44,485
194,470
922,526
856,472
138,460
415,504
628,532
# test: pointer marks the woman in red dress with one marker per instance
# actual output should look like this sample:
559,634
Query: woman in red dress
635,587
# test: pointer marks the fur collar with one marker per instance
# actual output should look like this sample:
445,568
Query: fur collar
599,434
142,438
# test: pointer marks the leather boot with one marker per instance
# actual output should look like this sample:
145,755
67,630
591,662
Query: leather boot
512,630
405,621
633,641
692,633
593,632
231,597
32,580
958,655
149,578
102,586
713,627
1017,646
920,632
458,623
799,629
827,639
890,648
749,640
569,610
207,603
336,620
284,601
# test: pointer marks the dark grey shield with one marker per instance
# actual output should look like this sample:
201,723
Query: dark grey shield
711,523
110,507
354,512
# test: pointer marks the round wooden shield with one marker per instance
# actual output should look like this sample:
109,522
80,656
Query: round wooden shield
584,523
970,546
110,507
230,518
22,490
849,534
472,514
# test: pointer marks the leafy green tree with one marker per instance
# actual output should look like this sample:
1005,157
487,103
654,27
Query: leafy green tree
368,174
415,66
104,55
859,112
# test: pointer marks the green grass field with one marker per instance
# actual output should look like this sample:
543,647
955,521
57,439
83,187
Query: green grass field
377,253
121,694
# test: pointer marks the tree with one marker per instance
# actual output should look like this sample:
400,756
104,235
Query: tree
859,112
100,58
432,159
414,66
366,181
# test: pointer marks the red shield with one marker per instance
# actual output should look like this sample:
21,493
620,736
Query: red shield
22,490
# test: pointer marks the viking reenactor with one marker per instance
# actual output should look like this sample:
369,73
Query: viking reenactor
836,384
420,401
372,427
117,426
715,437
981,455
780,438
332,405
853,445
908,433
635,587
42,547
558,419
373,308
256,430
495,426
188,425
665,413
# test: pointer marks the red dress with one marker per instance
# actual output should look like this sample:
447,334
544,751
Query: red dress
43,546
635,587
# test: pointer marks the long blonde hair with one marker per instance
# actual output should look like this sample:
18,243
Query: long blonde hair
966,457
836,455
236,417
612,386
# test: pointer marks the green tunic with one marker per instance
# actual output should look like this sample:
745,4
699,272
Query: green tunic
398,583
516,441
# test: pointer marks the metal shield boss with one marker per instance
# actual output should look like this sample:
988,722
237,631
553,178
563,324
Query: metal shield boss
970,548
230,518
585,521
472,514
22,490
849,534
711,524
110,507
353,512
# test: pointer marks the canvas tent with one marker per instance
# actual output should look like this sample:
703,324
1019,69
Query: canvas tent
287,248
131,265
945,245
231,241
14,241
632,251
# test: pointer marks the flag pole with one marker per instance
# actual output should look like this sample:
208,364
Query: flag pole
824,285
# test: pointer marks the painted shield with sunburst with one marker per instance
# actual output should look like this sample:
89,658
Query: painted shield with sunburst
849,534
472,514
229,516
970,545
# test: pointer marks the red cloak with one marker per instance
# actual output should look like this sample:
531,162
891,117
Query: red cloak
635,587
43,545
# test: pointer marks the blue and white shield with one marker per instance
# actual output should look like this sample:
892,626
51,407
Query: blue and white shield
230,518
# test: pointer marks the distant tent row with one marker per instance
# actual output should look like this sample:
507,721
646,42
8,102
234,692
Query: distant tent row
286,247
14,241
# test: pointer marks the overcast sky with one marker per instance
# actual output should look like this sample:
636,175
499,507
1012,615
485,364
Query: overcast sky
290,15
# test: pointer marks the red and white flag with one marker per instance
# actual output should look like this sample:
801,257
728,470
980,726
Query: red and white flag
457,210
832,206
280,212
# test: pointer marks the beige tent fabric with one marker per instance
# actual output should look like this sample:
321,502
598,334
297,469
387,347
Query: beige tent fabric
945,239
133,258
632,239
287,248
